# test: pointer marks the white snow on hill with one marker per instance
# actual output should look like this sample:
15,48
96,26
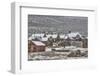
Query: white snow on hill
41,36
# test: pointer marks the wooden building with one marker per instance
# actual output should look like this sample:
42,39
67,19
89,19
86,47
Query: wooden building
35,46
85,43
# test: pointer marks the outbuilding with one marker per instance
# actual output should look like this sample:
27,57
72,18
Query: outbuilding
36,46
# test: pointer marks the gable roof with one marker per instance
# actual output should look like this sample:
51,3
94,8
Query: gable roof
73,34
38,43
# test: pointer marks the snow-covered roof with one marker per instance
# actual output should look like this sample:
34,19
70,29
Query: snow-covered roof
38,43
38,35
66,48
44,39
63,36
66,37
73,34
30,38
54,36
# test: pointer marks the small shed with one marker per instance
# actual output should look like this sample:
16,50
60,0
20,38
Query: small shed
36,46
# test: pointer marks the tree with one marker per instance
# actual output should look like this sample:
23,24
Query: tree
50,41
68,41
69,31
58,37
64,43
45,35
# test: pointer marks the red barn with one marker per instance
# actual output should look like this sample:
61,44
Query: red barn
36,46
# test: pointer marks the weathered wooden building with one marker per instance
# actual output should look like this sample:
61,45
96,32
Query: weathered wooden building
35,46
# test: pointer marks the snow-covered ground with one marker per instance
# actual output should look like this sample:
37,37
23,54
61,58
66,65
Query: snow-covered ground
49,54
72,48
48,49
